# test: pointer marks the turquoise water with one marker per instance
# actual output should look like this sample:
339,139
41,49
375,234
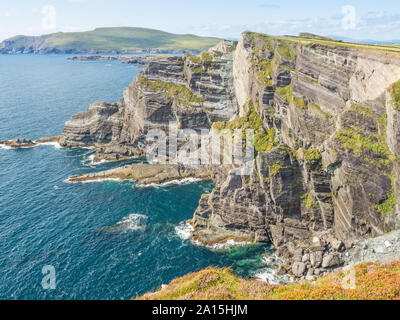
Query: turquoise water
108,240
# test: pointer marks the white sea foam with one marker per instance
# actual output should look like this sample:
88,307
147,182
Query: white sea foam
3,146
94,181
221,246
183,230
133,222
269,275
53,143
173,182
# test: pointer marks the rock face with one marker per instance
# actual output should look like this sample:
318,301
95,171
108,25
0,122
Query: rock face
187,92
325,171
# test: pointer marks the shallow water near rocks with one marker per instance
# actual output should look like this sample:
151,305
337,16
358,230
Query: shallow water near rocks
106,240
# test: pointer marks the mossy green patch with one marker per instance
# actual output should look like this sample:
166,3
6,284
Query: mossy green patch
275,168
318,108
206,56
264,73
395,94
312,154
285,48
180,93
387,207
194,59
309,200
287,94
264,139
353,138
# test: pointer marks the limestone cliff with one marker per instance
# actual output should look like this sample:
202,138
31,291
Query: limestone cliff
326,117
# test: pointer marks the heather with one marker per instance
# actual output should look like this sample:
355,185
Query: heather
373,281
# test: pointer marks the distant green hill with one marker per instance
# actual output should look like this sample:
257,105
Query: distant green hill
103,40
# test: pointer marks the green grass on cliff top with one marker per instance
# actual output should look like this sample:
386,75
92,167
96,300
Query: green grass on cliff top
385,48
373,281
126,39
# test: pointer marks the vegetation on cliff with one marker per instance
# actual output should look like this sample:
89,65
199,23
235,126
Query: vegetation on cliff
373,281
312,154
180,93
287,94
395,94
264,139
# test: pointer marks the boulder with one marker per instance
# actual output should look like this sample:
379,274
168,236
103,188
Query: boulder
316,258
337,245
281,271
330,260
298,269
306,258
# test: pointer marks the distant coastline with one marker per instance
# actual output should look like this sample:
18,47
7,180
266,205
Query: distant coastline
122,40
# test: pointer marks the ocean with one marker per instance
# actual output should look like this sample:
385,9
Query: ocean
105,240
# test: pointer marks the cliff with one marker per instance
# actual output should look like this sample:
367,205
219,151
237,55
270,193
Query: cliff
326,122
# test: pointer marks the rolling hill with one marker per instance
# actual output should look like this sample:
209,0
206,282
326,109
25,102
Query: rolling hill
108,40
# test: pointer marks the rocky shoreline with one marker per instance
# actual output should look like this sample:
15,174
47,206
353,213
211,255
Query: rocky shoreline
140,60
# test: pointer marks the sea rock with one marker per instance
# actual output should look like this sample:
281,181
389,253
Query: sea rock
18,143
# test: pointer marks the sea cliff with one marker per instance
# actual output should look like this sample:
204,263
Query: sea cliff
326,121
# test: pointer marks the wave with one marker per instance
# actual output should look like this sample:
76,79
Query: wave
95,181
183,230
222,246
269,275
133,222
3,146
54,144
173,182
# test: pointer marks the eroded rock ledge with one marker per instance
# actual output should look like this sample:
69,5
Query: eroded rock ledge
145,174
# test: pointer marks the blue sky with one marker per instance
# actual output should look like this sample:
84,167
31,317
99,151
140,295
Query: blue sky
357,19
